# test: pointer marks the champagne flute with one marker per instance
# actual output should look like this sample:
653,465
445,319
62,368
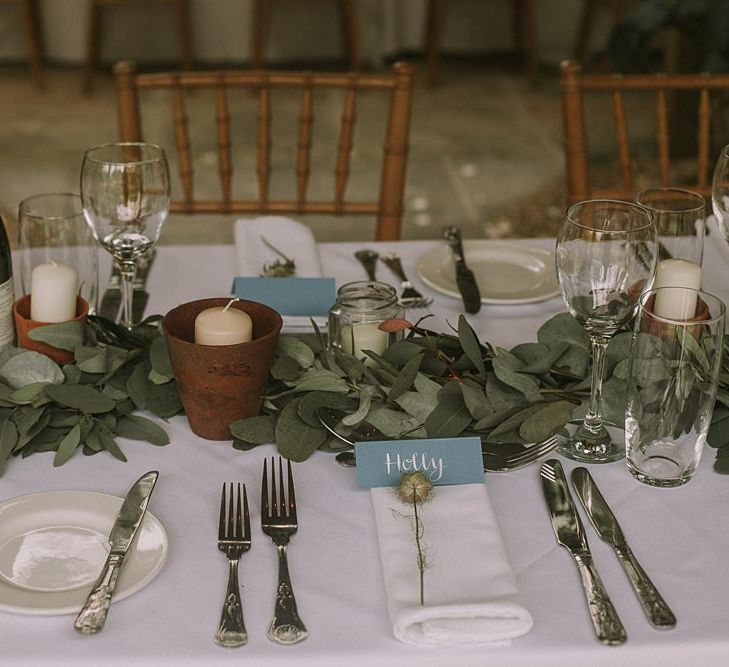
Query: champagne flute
125,189
606,257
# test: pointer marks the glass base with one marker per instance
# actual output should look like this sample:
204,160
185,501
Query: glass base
606,446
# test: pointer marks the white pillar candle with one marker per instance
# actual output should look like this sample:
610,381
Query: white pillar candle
53,291
677,302
223,326
359,337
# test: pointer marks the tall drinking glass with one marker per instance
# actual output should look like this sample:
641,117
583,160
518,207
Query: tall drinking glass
720,192
125,190
606,256
52,228
680,218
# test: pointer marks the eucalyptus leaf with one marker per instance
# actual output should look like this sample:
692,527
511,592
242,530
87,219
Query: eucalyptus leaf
135,427
475,399
563,328
542,424
296,440
469,342
311,402
30,367
110,445
395,423
159,357
8,440
63,335
417,404
405,378
365,400
68,446
515,421
242,445
524,384
257,430
80,397
296,349
28,393
450,417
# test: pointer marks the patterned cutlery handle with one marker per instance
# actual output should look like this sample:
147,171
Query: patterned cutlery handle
286,627
655,607
92,616
232,631
608,626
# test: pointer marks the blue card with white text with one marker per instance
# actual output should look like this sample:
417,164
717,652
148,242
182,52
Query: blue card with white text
289,296
444,460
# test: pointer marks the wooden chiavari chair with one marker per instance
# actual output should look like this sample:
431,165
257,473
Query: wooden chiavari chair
33,36
524,24
93,32
348,9
388,207
575,85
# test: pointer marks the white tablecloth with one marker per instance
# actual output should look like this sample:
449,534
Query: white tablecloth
681,536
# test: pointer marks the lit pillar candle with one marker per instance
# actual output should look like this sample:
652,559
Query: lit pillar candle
677,303
223,326
53,291
359,337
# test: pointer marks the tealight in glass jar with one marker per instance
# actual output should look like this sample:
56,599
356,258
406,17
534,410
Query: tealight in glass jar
355,318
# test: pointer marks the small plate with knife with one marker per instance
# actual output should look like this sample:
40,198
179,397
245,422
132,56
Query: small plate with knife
507,273
54,544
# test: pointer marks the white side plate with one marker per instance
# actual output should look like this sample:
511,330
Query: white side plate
53,546
506,273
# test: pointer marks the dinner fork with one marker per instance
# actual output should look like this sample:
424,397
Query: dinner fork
409,297
278,521
234,538
495,461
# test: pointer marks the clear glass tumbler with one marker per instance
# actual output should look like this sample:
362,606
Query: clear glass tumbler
672,379
52,228
680,217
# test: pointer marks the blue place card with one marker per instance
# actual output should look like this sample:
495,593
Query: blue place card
443,460
289,296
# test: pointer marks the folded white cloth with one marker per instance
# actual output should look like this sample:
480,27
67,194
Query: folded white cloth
470,589
293,239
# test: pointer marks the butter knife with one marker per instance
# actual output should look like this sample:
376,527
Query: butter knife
465,279
571,535
607,527
92,616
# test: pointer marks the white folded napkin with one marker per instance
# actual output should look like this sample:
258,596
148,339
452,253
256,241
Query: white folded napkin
293,239
470,589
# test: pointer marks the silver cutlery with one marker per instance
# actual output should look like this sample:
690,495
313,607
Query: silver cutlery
466,281
111,302
234,539
92,616
409,296
497,457
607,527
368,259
278,521
571,535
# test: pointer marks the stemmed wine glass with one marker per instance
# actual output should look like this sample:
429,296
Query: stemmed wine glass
606,257
720,192
125,190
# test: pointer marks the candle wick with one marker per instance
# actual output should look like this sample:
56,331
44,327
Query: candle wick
230,303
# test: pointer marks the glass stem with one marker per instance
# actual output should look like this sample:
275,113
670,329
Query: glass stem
128,269
593,418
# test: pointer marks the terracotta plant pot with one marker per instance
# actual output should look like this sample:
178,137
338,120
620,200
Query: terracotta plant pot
220,384
24,325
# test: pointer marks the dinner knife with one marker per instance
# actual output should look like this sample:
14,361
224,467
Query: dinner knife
465,279
571,535
92,616
607,527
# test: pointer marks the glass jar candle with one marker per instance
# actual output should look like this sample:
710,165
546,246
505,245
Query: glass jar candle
355,318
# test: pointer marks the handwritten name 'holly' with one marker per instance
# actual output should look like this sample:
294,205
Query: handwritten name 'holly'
417,462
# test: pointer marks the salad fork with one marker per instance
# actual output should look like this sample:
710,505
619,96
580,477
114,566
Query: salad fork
234,538
409,297
278,521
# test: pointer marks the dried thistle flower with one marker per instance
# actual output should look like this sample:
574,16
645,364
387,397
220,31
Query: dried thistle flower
279,268
414,487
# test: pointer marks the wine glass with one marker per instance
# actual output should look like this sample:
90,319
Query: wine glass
125,189
720,192
606,257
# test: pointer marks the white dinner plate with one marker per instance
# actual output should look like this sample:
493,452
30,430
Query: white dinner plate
54,544
506,273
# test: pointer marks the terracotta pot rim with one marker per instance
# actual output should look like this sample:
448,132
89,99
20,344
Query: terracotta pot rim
82,310
278,324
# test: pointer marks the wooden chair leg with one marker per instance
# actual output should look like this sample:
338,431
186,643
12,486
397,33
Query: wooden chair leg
530,41
434,31
34,39
259,24
584,31
184,30
93,26
351,34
